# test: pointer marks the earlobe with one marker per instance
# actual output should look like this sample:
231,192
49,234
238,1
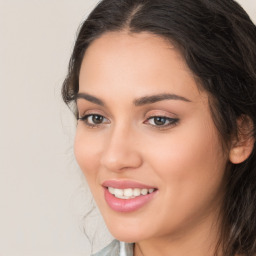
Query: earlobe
239,154
243,143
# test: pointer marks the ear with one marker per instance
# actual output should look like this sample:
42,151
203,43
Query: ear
242,145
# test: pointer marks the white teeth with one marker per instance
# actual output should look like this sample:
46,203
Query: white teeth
111,190
151,190
119,192
144,191
119,196
136,192
129,193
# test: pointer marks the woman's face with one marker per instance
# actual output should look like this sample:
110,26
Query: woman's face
146,141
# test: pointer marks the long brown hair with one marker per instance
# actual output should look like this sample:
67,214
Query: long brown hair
218,42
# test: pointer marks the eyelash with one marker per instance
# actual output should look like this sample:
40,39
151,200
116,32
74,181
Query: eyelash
171,121
91,125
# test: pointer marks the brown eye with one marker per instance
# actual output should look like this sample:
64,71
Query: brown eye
161,121
93,120
97,119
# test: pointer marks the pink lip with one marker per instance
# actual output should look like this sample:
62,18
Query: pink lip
126,205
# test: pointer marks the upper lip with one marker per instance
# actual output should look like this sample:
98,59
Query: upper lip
122,184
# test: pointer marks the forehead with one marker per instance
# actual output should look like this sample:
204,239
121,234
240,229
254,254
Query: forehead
141,62
128,47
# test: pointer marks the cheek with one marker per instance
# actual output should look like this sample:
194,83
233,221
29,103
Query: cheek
86,149
190,165
188,147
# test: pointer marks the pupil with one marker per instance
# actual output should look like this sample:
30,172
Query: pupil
159,120
97,119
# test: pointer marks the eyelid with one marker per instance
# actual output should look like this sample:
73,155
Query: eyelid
170,117
91,124
162,113
85,113
172,122
90,111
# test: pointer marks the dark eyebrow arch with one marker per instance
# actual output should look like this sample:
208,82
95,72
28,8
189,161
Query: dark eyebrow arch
159,97
90,98
137,102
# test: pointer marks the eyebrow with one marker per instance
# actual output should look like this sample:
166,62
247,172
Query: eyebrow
90,98
137,102
159,97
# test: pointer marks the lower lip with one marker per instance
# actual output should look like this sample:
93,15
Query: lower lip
127,205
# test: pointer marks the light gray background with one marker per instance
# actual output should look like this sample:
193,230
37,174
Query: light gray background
41,188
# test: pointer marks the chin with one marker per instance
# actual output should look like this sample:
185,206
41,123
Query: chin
128,238
128,235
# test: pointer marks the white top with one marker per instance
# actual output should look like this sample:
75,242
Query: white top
116,248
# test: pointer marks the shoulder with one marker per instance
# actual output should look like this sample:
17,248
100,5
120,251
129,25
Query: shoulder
116,248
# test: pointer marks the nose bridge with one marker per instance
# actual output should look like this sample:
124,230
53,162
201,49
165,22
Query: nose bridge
120,151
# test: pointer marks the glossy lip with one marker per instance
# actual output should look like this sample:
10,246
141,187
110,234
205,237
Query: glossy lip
126,205
122,184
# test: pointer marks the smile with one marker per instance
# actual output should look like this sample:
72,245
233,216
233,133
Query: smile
129,193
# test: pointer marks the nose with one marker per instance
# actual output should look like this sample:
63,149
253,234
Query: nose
121,151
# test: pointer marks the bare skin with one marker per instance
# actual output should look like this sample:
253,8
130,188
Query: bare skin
180,155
